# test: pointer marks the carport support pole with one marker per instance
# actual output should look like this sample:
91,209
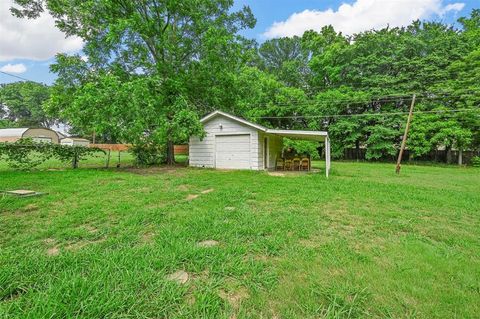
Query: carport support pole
327,156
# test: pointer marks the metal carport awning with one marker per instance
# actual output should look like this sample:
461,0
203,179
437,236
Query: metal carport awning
318,136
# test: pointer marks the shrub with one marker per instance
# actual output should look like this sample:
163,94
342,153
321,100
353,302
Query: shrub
27,154
75,153
24,153
302,147
148,154
476,161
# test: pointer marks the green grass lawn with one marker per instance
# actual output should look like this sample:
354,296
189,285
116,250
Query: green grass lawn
364,243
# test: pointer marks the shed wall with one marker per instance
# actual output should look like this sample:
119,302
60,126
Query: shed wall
202,152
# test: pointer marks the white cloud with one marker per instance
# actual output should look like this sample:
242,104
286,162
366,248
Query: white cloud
361,15
458,6
32,39
14,68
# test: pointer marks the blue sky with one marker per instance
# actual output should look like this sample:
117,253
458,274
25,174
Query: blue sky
27,48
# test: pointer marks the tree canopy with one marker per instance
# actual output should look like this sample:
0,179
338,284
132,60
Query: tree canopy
142,59
152,68
21,104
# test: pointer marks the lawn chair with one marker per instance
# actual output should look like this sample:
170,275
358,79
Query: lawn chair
296,164
288,165
305,164
280,164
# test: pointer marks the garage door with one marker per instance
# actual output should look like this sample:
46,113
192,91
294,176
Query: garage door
232,151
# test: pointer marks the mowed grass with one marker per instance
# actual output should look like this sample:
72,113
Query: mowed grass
364,243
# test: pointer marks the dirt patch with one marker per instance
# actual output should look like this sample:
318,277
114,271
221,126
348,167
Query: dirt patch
81,244
54,251
147,237
207,191
183,187
144,190
276,174
234,298
190,299
49,241
262,258
191,197
91,229
207,243
30,208
312,242
177,169
13,295
230,208
180,277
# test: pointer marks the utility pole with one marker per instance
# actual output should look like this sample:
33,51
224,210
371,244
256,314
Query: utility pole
404,140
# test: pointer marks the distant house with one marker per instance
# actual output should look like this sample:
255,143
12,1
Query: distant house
74,141
36,134
234,143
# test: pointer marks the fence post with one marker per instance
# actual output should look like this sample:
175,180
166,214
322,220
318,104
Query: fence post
75,159
108,159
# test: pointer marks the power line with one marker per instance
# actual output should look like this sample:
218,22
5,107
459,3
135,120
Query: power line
366,114
386,99
426,95
18,77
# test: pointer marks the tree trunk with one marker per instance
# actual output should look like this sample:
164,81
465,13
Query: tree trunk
460,157
170,153
449,154
357,149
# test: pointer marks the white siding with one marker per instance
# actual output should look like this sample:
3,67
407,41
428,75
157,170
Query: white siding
202,152
261,148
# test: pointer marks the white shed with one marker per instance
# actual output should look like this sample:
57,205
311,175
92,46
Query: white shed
234,143
74,141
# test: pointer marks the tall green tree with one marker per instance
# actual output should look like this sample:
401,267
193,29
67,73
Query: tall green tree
22,103
170,42
285,58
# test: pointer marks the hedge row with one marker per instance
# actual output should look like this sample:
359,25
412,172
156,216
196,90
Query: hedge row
27,154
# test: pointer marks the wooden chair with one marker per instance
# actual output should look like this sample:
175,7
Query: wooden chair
296,164
288,164
305,164
279,164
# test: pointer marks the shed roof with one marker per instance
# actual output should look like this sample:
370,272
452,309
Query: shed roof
294,134
233,117
12,132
